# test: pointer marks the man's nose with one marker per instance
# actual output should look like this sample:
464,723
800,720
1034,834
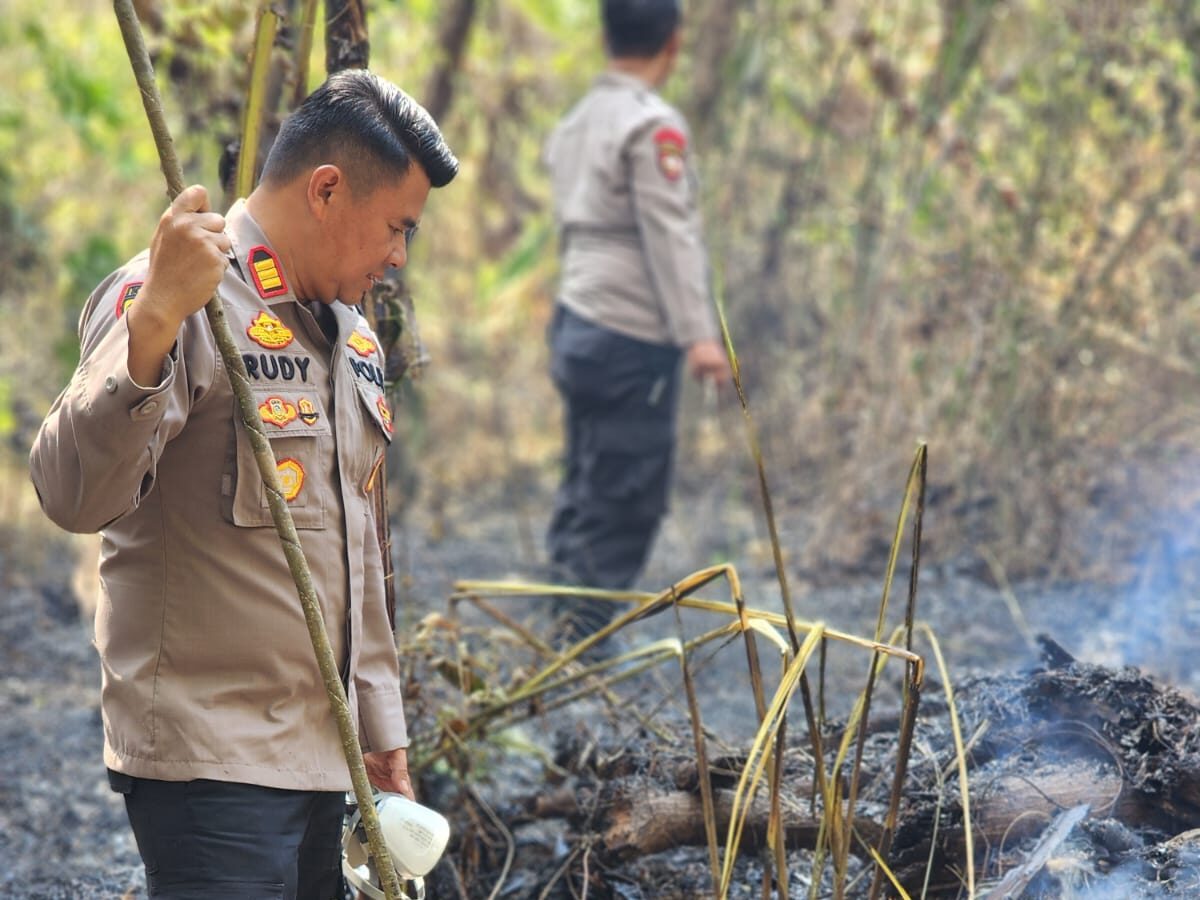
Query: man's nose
398,257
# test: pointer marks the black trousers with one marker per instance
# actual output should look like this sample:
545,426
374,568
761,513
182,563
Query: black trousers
620,397
204,840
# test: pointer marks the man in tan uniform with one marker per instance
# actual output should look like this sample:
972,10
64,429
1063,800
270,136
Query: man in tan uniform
633,298
217,726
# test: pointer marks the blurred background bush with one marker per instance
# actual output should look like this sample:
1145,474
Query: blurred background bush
968,222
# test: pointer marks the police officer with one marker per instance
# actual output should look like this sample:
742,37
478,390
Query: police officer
217,726
633,299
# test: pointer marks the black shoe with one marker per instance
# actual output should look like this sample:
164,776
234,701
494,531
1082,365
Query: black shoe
575,620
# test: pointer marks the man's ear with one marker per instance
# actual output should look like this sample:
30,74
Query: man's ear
325,183
674,43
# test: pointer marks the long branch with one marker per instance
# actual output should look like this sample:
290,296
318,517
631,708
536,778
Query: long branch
143,71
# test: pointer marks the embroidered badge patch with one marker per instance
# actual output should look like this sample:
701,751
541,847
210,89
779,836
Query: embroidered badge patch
361,344
670,145
385,413
308,412
128,294
291,478
268,331
277,411
265,270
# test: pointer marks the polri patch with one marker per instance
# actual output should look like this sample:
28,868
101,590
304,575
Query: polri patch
270,332
266,272
361,344
278,412
291,477
127,295
670,144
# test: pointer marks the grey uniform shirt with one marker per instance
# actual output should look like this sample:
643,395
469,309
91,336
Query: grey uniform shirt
629,227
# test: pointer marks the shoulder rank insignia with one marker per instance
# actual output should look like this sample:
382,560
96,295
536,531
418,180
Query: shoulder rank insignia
270,332
308,411
385,413
361,344
670,144
128,294
291,477
264,269
277,411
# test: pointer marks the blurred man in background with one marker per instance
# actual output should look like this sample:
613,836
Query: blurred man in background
633,300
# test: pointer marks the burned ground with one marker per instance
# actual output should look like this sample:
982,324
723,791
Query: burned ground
63,834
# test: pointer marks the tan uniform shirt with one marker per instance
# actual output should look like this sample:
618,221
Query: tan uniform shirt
208,669
630,233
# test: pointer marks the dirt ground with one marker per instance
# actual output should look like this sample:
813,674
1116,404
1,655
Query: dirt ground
63,835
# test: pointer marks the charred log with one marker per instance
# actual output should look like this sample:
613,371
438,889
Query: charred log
1049,741
642,823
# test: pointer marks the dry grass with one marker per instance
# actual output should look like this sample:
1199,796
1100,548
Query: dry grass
494,697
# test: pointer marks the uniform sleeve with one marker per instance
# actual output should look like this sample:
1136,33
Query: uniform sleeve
377,679
668,218
96,453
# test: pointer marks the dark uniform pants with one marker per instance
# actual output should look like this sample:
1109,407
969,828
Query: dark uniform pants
215,840
620,397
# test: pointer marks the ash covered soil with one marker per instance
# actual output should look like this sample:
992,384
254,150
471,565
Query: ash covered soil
63,834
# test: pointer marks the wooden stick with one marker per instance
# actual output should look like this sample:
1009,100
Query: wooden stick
143,70
1013,884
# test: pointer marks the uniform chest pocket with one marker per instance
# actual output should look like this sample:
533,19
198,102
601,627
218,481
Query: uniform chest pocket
301,438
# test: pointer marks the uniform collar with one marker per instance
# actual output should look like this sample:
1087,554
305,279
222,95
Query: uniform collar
249,242
348,318
259,264
612,78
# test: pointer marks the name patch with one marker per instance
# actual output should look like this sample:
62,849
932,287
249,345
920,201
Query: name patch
270,367
367,371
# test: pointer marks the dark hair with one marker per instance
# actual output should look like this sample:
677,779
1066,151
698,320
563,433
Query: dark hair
365,125
638,27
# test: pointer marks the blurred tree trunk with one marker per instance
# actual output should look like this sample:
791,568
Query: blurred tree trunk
454,29
281,83
149,14
279,91
183,51
715,37
346,43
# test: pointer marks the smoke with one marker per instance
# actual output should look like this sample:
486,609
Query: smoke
1132,881
1167,870
1154,622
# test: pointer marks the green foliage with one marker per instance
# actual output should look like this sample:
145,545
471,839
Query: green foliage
971,221
85,101
88,263
8,421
